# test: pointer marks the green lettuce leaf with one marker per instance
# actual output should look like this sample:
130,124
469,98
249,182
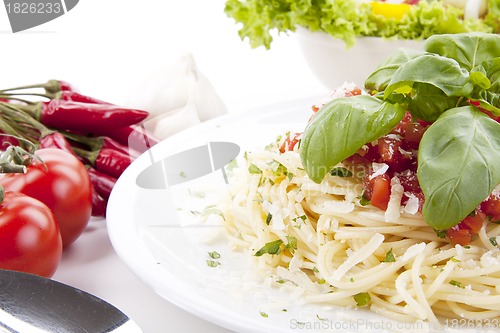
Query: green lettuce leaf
260,20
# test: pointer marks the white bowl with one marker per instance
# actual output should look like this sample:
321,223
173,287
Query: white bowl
333,64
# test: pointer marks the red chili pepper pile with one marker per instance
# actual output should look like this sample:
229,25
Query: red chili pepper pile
104,136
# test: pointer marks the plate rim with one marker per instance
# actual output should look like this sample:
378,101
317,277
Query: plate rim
134,256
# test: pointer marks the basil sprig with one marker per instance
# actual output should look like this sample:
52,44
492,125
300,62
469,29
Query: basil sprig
459,155
341,128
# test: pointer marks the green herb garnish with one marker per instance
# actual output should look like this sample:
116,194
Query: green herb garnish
213,263
254,170
444,84
269,217
362,299
270,248
389,256
214,254
456,283
292,244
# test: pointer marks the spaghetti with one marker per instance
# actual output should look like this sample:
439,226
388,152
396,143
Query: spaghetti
323,240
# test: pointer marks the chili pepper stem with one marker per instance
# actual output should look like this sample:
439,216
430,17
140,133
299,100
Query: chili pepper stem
12,96
91,155
19,114
94,143
31,86
50,86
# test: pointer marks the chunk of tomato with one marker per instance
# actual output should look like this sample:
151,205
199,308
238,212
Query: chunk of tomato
380,191
473,223
491,207
459,236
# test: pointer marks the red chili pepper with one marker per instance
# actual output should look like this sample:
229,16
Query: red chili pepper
102,183
7,140
99,204
55,86
108,161
56,140
115,145
86,117
135,137
112,162
69,95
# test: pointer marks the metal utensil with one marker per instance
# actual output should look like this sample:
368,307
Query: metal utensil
30,303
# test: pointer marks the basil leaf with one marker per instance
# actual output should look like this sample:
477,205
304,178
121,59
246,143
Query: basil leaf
468,49
341,172
270,248
440,72
492,68
380,78
478,76
341,128
458,165
490,99
428,102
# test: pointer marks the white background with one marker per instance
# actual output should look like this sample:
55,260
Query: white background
103,47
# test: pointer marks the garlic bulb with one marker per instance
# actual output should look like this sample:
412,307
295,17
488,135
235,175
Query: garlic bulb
166,124
176,97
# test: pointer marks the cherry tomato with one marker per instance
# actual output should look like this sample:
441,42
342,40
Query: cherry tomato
63,184
29,236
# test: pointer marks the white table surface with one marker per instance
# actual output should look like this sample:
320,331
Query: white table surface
103,47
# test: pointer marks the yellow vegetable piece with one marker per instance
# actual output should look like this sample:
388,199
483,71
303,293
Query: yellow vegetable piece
390,10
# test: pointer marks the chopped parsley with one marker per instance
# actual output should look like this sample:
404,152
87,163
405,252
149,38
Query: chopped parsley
213,263
456,283
389,256
302,217
212,209
269,218
292,244
263,314
363,201
319,318
214,254
362,299
254,170
440,233
493,241
273,247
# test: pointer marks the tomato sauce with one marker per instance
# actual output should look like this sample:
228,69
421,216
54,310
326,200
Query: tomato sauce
398,150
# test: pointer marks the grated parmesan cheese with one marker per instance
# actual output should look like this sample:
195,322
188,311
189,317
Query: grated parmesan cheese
393,211
378,169
490,258
412,204
413,251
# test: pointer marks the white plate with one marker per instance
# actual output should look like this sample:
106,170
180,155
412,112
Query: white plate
157,234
